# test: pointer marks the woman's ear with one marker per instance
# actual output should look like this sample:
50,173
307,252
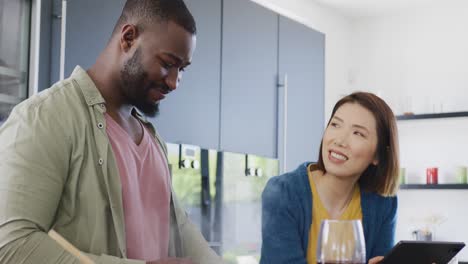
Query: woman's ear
375,161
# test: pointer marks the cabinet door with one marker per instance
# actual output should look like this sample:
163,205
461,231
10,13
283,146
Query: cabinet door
190,114
249,73
89,25
302,59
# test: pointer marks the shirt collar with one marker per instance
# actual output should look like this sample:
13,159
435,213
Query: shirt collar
87,86
93,96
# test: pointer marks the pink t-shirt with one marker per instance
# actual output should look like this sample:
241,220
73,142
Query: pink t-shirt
145,192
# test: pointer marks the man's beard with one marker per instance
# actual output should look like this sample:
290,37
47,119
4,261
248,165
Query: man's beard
136,93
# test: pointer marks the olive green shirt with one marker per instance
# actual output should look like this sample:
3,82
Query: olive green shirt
58,170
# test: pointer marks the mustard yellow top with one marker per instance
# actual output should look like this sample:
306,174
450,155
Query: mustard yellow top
319,213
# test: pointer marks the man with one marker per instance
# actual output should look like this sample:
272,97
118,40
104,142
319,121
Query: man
79,159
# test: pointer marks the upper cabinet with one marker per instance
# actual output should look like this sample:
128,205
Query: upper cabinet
232,97
273,81
249,79
89,26
302,75
190,114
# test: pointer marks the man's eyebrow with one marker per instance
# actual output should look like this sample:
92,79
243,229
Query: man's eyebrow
177,59
173,56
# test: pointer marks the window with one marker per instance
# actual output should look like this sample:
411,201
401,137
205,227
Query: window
15,18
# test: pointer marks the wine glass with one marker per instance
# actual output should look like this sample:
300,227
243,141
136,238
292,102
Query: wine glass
341,242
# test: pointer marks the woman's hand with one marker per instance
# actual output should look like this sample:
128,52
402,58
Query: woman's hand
375,260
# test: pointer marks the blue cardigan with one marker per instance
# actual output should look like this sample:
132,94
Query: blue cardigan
287,216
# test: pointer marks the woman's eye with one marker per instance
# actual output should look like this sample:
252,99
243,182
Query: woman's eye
334,124
359,134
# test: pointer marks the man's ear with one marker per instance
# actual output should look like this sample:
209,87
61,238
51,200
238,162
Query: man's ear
128,35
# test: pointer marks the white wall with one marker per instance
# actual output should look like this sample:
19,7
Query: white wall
337,30
418,61
419,54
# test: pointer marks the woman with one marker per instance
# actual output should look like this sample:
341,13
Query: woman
356,177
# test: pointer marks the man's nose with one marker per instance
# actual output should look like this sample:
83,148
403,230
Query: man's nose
173,78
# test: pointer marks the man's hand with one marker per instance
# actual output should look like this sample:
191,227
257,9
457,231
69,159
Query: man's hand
172,261
375,260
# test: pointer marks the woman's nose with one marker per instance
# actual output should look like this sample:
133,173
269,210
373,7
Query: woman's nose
341,141
338,143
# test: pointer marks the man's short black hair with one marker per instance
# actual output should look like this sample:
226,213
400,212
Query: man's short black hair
146,12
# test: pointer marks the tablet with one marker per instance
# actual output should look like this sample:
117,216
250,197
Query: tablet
422,252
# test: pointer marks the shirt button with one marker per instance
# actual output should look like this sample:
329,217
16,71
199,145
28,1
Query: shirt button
100,125
101,161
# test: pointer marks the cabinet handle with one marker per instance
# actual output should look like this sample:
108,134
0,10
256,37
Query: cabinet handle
282,140
62,39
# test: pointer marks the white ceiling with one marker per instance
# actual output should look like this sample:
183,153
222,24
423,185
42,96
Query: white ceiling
365,8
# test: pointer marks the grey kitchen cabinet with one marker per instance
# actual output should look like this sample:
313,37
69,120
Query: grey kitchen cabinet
229,97
249,78
302,60
260,50
89,26
190,114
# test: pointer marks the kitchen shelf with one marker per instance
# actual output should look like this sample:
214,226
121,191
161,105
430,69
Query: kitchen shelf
432,116
434,186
